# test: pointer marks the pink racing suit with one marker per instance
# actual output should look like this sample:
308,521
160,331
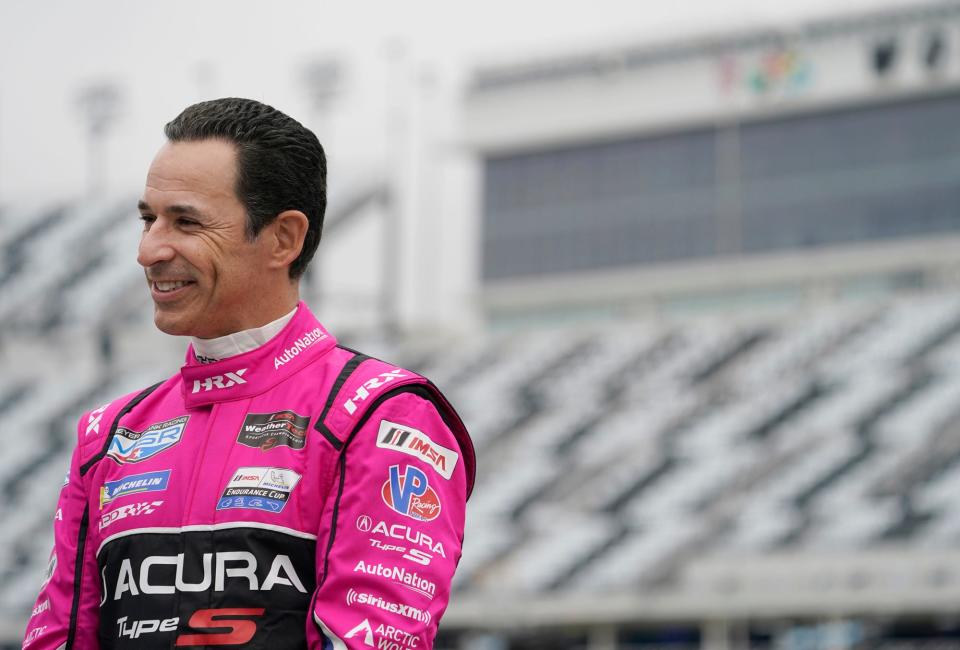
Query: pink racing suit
301,495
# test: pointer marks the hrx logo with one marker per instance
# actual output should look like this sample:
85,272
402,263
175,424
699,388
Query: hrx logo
363,391
93,420
225,380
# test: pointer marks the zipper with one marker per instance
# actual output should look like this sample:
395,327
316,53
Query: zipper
198,463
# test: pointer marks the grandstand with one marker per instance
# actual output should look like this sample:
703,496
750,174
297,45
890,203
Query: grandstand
716,394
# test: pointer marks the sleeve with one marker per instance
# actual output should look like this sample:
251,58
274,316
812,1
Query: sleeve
65,614
392,533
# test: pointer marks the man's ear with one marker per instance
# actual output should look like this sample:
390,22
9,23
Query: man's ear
287,233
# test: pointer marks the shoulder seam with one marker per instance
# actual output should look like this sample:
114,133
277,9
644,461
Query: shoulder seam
129,406
348,369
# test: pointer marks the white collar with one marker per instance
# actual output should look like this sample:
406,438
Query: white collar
210,350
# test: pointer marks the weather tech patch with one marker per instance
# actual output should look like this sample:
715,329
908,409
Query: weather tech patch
129,446
147,482
259,488
268,430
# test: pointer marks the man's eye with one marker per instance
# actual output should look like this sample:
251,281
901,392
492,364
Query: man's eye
187,222
147,219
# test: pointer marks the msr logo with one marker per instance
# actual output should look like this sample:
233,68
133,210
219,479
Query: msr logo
225,380
241,629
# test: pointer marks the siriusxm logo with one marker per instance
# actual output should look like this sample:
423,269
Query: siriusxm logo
148,482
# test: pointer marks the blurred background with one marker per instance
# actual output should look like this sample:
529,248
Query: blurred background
690,271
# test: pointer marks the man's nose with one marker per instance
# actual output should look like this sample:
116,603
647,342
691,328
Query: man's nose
155,246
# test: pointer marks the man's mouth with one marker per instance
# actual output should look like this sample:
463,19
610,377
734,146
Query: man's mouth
169,286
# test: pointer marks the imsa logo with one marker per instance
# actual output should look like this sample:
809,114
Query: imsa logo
417,444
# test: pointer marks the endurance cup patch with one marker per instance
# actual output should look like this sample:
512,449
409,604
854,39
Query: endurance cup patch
268,430
129,446
259,488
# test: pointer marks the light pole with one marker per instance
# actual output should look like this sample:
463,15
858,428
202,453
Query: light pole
99,103
322,79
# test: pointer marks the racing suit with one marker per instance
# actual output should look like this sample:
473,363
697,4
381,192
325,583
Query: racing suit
297,495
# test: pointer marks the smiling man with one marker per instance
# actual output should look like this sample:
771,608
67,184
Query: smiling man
281,490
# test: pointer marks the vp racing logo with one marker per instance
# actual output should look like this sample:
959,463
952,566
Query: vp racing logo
410,494
129,446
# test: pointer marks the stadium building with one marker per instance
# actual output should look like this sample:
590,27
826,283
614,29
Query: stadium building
700,306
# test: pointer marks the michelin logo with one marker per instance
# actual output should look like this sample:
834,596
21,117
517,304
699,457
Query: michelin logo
148,482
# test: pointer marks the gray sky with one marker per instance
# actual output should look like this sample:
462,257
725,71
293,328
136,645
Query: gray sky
166,55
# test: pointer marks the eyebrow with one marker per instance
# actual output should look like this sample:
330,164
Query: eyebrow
188,210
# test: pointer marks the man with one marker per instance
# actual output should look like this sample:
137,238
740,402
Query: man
281,490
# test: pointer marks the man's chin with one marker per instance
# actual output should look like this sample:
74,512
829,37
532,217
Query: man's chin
170,322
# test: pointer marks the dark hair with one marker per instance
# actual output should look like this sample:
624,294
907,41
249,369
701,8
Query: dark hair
280,163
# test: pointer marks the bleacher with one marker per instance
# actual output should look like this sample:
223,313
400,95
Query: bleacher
619,457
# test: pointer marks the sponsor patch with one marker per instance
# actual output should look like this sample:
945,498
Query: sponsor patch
363,391
147,482
268,430
214,621
400,576
226,380
301,344
410,494
388,637
33,635
417,444
409,542
41,607
355,597
93,420
130,510
224,569
129,446
51,568
259,488
362,627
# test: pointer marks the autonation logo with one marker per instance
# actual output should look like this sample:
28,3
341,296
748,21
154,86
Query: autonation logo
301,344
